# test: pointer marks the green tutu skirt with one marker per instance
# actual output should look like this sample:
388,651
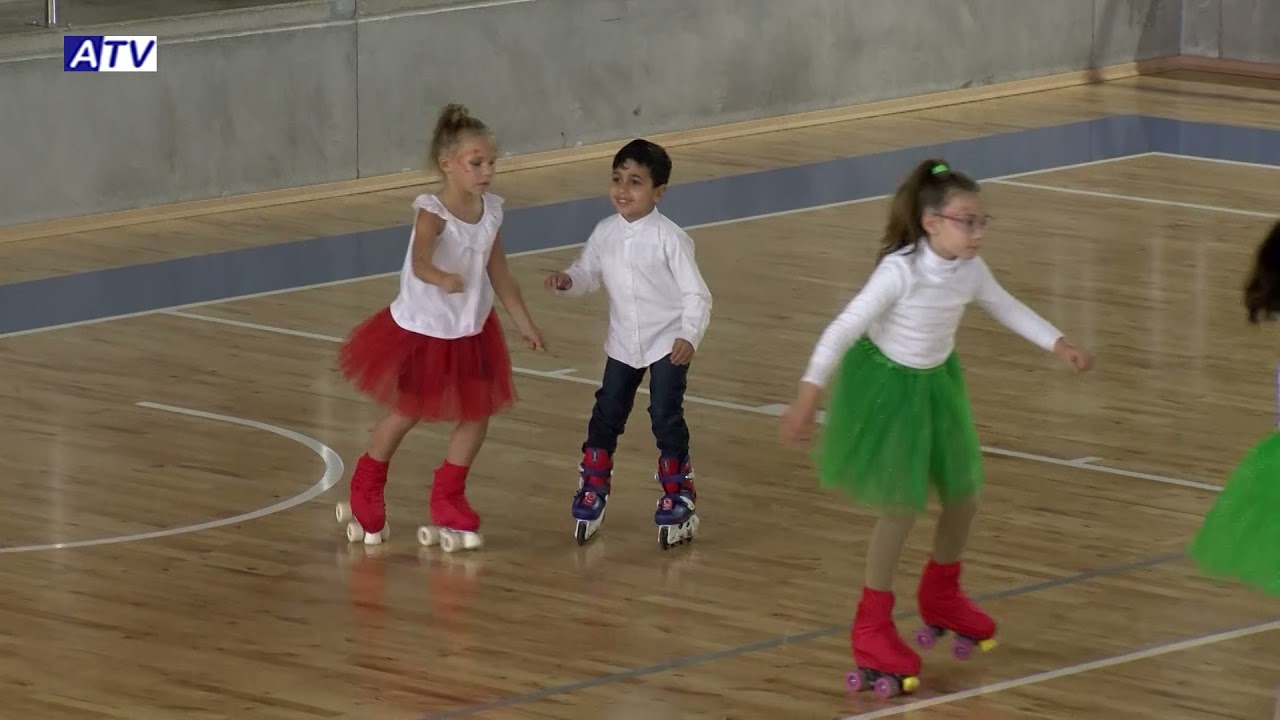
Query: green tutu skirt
895,433
1240,537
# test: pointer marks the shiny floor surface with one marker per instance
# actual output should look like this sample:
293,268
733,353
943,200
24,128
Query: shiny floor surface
178,435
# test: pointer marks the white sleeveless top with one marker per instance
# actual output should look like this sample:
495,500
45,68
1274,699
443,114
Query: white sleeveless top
464,249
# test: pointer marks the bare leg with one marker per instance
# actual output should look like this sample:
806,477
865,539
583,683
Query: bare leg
387,435
887,540
952,534
465,442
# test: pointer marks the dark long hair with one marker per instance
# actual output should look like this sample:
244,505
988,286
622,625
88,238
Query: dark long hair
1262,291
928,187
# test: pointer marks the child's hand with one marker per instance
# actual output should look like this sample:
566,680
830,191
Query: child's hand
681,352
800,417
533,338
1072,355
451,283
558,281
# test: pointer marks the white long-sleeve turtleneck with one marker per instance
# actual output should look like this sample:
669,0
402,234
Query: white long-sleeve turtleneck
911,307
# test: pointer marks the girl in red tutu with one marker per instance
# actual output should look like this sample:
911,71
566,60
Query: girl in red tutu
437,353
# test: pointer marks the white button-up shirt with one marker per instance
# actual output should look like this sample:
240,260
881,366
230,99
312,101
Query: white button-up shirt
656,292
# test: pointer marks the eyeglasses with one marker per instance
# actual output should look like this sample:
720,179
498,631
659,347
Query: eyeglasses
970,223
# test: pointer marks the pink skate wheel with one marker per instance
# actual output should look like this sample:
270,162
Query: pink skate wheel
962,649
887,687
855,680
925,638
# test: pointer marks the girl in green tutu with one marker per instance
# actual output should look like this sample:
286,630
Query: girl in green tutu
898,421
1240,537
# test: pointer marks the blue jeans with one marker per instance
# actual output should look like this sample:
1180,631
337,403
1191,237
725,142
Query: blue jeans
617,394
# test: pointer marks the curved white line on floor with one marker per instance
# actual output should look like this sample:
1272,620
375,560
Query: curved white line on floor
333,470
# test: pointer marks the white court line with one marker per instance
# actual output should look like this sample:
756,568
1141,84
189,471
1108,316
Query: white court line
539,251
1136,198
1070,670
773,410
333,469
561,374
1220,161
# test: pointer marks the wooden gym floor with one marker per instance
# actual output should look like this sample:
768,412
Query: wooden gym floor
170,549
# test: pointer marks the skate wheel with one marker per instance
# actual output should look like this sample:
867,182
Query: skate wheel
580,532
355,533
910,684
856,681
453,540
664,537
343,512
428,536
887,687
964,647
926,638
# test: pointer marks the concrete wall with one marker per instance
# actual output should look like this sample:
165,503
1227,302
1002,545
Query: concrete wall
1232,29
334,89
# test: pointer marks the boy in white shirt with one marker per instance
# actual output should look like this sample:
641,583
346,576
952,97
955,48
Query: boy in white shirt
659,309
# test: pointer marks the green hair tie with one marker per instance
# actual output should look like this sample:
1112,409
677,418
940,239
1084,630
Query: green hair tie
940,168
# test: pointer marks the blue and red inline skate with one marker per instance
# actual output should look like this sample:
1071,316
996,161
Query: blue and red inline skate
675,516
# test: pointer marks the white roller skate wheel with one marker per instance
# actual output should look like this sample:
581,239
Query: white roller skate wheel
449,542
343,511
355,533
472,541
428,536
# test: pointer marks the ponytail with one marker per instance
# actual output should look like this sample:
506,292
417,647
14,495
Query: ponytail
928,187
455,120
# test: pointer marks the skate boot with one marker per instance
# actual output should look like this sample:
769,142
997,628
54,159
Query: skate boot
677,522
594,476
366,513
944,606
884,662
454,525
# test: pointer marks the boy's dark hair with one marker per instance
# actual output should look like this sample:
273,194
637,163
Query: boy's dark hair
928,187
1262,292
647,155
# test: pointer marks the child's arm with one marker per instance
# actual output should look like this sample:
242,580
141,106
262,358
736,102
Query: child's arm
694,293
887,284
426,230
583,277
508,292
1015,315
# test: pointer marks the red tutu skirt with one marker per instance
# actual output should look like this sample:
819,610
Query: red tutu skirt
429,378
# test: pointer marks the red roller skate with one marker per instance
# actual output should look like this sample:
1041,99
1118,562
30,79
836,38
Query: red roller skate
366,513
944,606
454,525
884,662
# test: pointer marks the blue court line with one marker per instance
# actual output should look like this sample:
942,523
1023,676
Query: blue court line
213,277
782,640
